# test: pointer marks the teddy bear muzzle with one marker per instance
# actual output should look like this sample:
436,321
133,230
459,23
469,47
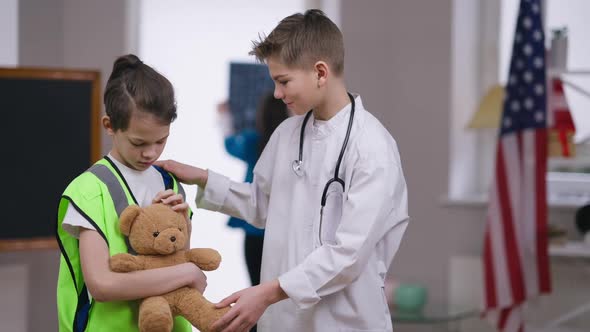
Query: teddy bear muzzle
169,241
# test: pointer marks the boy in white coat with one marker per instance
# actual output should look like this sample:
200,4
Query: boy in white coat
321,271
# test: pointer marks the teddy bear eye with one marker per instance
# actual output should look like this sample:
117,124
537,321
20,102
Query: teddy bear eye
156,234
180,229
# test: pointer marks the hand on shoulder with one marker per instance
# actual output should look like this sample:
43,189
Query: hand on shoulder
185,173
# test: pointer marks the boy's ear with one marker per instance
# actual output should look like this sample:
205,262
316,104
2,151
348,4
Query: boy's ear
106,124
322,71
127,218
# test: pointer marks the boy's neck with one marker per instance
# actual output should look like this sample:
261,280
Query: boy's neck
335,99
119,161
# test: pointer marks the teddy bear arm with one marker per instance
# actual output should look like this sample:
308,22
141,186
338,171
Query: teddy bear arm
126,263
205,258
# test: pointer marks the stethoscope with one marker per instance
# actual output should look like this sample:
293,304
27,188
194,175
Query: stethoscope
298,163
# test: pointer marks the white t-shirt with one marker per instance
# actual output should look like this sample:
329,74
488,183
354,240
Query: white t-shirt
143,184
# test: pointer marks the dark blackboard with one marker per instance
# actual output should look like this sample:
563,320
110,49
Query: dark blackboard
248,83
50,134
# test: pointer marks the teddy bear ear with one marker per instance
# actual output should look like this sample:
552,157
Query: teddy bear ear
127,218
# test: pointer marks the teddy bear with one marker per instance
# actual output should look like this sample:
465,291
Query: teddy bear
158,235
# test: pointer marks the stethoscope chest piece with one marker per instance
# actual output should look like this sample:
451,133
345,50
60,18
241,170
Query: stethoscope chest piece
298,167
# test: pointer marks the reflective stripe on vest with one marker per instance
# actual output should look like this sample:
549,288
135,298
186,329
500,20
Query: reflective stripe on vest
116,191
113,184
180,190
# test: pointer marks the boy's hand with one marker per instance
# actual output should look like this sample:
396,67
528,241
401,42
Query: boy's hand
198,279
223,107
174,200
250,304
185,173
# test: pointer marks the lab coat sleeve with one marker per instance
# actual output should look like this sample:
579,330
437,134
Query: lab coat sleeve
375,206
247,201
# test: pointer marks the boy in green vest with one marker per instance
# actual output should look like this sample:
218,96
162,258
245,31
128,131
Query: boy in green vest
140,106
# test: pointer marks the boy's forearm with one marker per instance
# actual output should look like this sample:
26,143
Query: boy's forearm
192,175
140,284
275,292
202,177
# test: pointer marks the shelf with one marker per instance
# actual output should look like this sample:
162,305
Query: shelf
554,329
572,249
481,202
28,244
433,318
576,162
560,72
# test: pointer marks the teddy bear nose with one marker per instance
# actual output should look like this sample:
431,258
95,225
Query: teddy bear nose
173,238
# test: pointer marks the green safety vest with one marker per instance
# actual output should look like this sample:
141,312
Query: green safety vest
100,195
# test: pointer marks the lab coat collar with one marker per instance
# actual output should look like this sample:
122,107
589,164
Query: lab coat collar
321,129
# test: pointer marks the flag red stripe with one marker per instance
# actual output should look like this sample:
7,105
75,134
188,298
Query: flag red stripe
504,313
511,247
490,281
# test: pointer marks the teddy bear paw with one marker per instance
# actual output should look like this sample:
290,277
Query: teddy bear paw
156,322
124,263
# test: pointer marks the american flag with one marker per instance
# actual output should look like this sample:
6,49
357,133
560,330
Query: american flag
515,259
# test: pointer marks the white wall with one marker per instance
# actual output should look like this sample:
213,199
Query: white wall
40,33
9,33
94,34
192,43
398,56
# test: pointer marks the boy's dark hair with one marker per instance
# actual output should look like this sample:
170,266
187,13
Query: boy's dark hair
300,40
135,86
271,112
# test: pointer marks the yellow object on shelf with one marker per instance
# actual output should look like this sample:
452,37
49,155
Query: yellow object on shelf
489,110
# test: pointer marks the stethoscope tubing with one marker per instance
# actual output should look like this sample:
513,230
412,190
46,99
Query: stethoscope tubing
336,178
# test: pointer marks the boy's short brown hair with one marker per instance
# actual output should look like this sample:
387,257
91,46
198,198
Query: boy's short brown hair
302,39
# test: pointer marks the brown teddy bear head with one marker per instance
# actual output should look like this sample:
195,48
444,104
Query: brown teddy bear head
154,230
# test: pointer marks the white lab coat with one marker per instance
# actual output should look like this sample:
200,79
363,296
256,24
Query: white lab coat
336,285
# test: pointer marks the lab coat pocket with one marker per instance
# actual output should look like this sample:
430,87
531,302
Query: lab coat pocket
331,214
359,305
